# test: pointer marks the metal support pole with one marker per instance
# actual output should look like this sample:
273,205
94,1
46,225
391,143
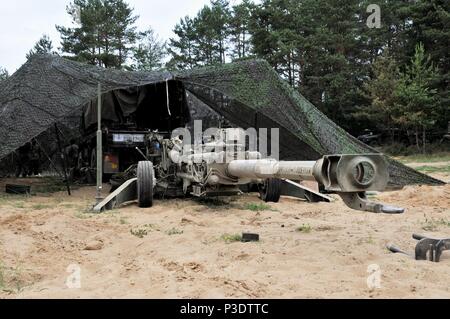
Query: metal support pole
168,97
99,146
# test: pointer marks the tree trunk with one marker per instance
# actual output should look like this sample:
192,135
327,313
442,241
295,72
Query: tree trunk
424,140
417,139
221,53
120,56
243,45
290,69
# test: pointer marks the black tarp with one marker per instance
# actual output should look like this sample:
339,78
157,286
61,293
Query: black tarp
115,105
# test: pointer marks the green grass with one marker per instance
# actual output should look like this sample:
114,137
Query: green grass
49,188
174,231
366,240
85,214
40,206
433,169
68,205
11,279
2,278
17,201
143,231
231,238
111,216
214,202
50,185
434,224
139,233
152,227
19,204
257,207
305,228
426,158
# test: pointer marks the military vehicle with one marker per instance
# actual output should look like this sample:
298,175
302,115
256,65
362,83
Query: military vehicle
220,167
127,116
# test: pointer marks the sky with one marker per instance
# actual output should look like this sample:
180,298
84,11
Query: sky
23,22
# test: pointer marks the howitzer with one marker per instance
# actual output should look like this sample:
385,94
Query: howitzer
219,168
349,176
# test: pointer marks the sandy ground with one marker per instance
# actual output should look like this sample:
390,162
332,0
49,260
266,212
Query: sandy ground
183,252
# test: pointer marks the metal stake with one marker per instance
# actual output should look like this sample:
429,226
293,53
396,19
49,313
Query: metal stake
99,146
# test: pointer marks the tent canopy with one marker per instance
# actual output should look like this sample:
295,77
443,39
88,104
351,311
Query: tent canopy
49,89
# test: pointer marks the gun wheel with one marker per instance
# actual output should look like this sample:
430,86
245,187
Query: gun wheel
145,176
270,191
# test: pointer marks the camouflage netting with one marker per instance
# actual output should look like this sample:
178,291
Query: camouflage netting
49,89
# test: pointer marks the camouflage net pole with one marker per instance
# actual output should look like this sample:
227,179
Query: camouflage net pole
99,146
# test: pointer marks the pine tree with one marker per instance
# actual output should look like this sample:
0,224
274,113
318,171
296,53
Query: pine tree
103,34
82,42
221,16
3,74
392,34
206,50
430,26
202,40
240,37
380,90
121,23
150,52
182,49
417,105
211,26
314,44
325,49
335,66
44,45
276,37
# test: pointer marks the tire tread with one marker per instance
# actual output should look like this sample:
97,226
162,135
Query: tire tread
145,184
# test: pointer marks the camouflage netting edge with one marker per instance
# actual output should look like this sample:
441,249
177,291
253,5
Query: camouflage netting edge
257,85
48,89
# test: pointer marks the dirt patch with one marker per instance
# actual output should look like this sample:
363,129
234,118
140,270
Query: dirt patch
180,251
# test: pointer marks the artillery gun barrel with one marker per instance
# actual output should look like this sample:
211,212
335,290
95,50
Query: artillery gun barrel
338,173
266,168
349,176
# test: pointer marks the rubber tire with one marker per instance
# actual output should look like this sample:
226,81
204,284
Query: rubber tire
17,189
271,191
145,184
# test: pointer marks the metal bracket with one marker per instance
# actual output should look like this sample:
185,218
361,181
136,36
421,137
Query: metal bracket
125,193
359,201
290,188
431,247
